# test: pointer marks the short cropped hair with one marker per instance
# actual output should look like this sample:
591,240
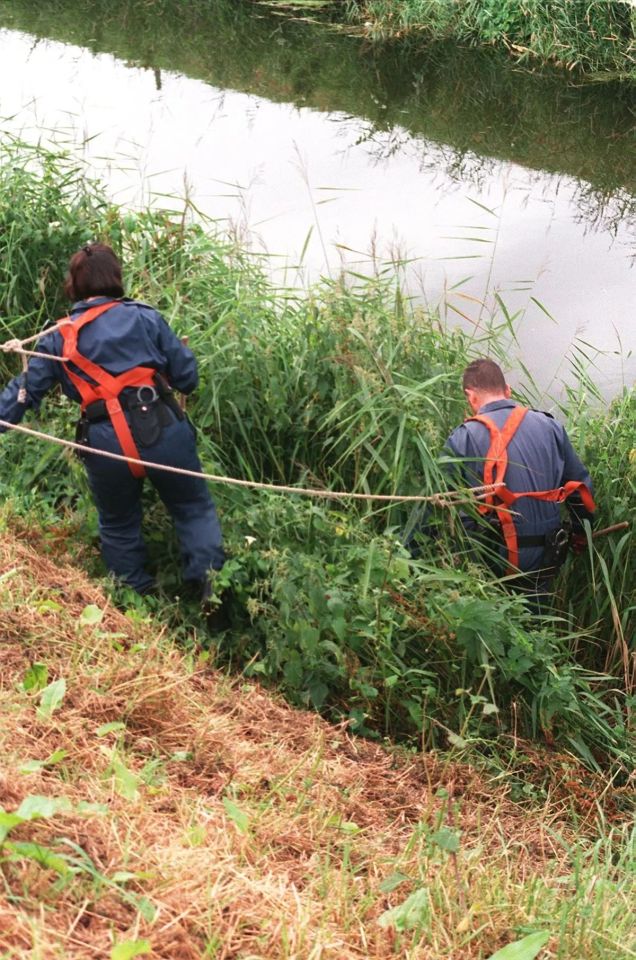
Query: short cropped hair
484,375
94,271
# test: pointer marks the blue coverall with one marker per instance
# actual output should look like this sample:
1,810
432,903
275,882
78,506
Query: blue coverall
133,334
540,457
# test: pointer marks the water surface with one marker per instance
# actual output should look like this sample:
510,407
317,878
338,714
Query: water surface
497,186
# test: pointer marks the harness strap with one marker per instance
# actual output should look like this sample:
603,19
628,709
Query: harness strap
495,466
106,387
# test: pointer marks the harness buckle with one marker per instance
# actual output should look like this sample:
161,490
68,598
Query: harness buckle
144,400
561,537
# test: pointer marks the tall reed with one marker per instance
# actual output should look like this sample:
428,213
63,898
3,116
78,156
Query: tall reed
351,387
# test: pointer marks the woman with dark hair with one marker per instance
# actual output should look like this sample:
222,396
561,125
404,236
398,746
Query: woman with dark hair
121,361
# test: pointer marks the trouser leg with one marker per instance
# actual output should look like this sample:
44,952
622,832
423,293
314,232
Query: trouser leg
117,496
188,501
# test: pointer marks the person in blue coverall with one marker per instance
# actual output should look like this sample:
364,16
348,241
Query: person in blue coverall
129,334
540,457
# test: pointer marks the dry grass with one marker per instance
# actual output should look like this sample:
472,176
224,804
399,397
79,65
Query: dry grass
252,830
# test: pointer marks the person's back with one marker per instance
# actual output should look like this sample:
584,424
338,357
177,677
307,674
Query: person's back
540,460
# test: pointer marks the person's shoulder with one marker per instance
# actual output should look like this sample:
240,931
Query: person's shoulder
137,304
545,421
542,413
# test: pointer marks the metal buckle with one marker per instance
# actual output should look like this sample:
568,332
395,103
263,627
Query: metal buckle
146,401
561,537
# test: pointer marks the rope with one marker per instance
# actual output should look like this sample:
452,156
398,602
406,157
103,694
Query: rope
446,499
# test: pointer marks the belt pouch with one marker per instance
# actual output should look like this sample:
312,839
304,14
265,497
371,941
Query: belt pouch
146,422
81,435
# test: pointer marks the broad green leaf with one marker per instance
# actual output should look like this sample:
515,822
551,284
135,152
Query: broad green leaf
410,915
48,606
489,708
7,822
146,908
42,855
236,815
393,881
126,782
36,807
51,698
36,677
90,616
525,949
446,839
128,949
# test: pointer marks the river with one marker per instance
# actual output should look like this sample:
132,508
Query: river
503,193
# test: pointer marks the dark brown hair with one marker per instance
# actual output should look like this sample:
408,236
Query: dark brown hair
484,375
93,271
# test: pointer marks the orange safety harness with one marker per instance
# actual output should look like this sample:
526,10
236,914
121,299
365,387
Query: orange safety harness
502,501
105,387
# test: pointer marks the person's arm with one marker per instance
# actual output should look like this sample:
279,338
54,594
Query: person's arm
573,469
41,375
181,365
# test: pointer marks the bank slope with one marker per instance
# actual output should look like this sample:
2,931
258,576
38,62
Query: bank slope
154,806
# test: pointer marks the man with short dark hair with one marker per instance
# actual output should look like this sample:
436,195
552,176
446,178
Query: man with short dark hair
530,455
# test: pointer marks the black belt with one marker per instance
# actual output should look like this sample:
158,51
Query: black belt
536,541
97,411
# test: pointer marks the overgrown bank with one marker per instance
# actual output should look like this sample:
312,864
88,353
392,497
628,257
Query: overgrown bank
597,37
150,806
350,388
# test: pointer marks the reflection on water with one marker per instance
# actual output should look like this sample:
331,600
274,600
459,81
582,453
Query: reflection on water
395,170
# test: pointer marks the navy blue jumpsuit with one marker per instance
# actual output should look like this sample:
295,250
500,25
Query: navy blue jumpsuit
133,334
540,457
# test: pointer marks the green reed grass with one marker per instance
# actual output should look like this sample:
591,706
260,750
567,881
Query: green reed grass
350,387
596,37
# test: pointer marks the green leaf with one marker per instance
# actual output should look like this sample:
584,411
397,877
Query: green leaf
51,698
525,949
236,815
456,741
446,839
489,708
32,766
410,915
36,807
90,616
7,822
111,727
39,854
147,909
393,881
128,949
126,782
36,677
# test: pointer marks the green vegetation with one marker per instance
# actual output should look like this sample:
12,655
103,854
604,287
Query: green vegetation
596,37
352,388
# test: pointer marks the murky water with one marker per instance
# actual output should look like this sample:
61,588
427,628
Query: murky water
505,192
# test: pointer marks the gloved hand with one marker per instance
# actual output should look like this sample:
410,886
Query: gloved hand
578,543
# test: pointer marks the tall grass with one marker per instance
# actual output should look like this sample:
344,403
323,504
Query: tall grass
351,387
597,37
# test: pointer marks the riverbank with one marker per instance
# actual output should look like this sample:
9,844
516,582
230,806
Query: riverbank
597,39
351,387
149,805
